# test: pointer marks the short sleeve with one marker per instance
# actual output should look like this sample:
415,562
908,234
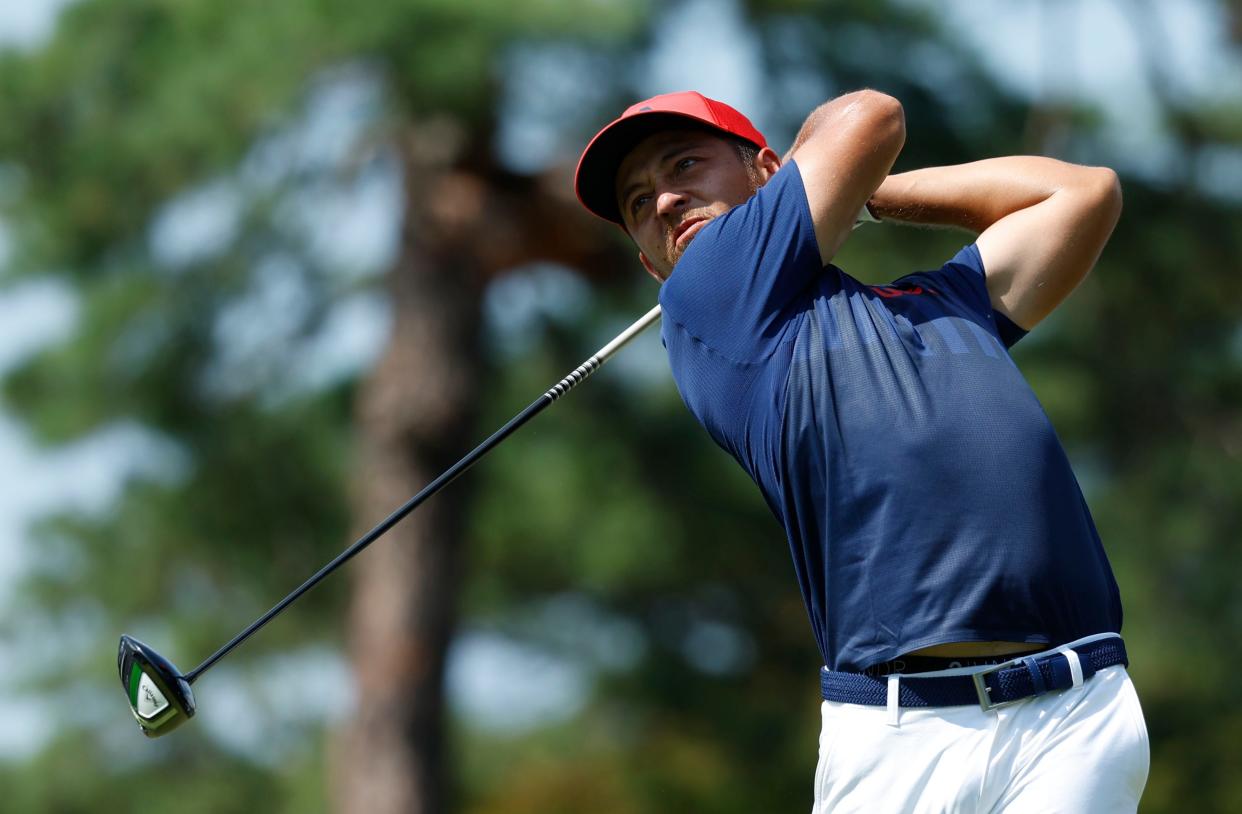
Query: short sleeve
739,281
965,278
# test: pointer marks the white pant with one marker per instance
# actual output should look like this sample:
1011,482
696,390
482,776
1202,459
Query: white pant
1083,749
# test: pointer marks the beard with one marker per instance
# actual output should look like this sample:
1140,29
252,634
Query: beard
672,251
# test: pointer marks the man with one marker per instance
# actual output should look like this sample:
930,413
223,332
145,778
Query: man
945,553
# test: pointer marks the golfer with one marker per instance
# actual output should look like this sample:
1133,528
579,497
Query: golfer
957,588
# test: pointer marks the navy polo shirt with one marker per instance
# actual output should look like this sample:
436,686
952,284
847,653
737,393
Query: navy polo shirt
923,490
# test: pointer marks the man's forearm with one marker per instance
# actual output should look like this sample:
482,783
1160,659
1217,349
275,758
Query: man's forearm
976,195
1040,223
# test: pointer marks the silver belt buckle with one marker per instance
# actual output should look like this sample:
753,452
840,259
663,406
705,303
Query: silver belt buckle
982,690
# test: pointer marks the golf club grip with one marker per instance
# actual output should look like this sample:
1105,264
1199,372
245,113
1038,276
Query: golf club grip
576,377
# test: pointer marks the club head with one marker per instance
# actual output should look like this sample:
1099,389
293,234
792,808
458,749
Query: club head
159,696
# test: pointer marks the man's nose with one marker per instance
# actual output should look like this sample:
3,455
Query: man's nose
669,201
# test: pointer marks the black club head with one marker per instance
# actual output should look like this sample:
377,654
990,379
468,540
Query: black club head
159,696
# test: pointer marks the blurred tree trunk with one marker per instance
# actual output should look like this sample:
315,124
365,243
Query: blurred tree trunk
414,411
464,223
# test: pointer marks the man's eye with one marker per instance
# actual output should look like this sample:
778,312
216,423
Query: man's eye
638,203
686,163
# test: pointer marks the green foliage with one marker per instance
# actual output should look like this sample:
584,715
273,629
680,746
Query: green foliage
133,106
69,778
617,500
136,99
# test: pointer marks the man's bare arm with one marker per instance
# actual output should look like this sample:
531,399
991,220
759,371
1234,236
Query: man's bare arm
1042,223
844,150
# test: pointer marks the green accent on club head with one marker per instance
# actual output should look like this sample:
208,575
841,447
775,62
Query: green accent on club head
135,675
160,697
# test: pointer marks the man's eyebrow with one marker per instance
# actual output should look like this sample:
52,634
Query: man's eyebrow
665,157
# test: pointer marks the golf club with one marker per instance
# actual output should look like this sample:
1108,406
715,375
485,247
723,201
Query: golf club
160,695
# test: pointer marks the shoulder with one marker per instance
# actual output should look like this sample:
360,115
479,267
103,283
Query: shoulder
740,282
961,285
962,276
770,229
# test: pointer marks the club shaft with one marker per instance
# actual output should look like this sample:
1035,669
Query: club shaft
575,377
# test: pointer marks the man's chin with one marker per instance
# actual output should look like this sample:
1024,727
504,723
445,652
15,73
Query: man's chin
678,251
683,242
672,264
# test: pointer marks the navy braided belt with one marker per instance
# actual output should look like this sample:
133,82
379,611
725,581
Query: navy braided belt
989,687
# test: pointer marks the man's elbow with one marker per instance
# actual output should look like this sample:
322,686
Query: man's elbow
1104,188
1100,209
884,118
869,118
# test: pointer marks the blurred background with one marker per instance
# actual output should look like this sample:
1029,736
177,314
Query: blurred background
266,268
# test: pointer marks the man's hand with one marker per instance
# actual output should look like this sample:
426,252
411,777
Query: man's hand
844,150
1042,223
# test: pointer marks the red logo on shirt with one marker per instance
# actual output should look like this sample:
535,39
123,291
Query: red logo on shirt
910,291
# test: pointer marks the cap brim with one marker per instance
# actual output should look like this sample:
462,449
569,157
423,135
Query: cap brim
596,176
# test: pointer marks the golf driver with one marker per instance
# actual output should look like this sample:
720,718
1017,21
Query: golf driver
160,695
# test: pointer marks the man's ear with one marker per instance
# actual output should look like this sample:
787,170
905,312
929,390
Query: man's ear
642,258
767,162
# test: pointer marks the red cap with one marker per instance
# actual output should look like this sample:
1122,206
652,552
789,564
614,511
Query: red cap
596,178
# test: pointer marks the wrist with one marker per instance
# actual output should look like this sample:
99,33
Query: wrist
888,199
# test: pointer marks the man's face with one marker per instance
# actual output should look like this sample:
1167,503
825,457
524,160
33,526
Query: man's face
674,182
